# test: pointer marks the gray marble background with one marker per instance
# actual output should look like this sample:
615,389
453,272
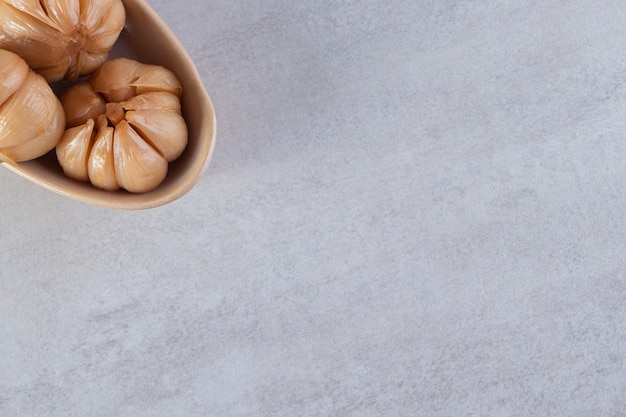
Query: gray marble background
415,208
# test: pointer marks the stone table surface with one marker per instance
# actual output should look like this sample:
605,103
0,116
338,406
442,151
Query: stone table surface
415,208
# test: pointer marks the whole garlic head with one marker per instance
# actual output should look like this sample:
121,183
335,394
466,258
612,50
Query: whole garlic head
32,119
61,38
124,125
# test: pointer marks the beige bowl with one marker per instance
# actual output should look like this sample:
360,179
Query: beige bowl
148,39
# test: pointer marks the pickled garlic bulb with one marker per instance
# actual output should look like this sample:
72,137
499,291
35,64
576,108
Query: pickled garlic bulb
61,38
124,125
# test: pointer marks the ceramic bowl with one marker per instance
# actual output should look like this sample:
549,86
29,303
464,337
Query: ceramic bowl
147,39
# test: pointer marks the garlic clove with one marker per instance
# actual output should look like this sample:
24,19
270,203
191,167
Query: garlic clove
138,167
164,130
112,79
64,13
39,145
13,72
88,62
101,164
28,112
101,23
153,101
73,150
156,78
30,7
81,103
55,72
122,78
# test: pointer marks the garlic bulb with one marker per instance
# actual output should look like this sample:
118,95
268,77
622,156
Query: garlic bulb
61,38
31,116
124,125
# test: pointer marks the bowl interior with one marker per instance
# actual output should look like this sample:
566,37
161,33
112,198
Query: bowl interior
147,39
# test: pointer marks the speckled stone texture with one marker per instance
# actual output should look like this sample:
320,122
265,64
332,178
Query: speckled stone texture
415,208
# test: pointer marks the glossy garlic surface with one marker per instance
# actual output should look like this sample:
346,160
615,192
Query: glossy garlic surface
31,116
61,38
